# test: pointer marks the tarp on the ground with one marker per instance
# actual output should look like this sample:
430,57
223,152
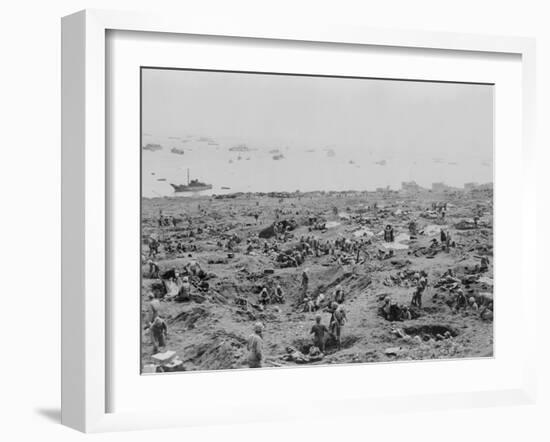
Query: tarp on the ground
395,246
172,288
332,224
433,229
362,233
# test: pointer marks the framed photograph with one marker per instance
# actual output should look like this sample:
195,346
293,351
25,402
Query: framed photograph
277,222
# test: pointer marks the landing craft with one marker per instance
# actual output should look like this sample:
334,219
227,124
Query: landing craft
191,186
177,151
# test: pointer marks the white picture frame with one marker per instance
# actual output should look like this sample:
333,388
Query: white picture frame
85,201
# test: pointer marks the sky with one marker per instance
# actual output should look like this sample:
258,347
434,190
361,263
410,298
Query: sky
423,131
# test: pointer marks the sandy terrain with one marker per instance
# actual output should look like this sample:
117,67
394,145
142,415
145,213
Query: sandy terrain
210,330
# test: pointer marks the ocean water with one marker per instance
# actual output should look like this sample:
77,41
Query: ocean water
303,168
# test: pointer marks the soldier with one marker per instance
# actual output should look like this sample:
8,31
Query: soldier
412,228
460,300
154,269
153,247
319,331
384,309
448,242
484,265
305,283
417,296
255,347
154,307
263,298
278,295
158,333
337,322
486,312
423,281
339,294
184,293
388,233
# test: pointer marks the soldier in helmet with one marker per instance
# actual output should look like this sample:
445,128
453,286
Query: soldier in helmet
158,333
319,332
255,347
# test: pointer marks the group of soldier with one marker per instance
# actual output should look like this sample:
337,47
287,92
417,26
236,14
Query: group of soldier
308,300
321,334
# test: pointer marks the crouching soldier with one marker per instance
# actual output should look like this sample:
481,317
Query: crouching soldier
486,312
483,266
263,297
184,293
384,309
278,295
460,300
159,331
339,294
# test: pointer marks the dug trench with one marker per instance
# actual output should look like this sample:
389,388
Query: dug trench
427,332
304,345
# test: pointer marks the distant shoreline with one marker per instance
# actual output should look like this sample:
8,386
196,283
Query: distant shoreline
298,193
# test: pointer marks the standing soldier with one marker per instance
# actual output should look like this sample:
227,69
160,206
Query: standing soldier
305,283
417,296
448,242
154,307
388,233
319,331
412,228
153,269
338,321
255,347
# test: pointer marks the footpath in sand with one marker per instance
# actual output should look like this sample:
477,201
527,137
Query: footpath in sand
209,331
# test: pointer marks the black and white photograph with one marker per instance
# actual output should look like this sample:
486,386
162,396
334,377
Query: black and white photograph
292,220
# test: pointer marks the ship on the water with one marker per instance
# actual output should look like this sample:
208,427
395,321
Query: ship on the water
191,186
